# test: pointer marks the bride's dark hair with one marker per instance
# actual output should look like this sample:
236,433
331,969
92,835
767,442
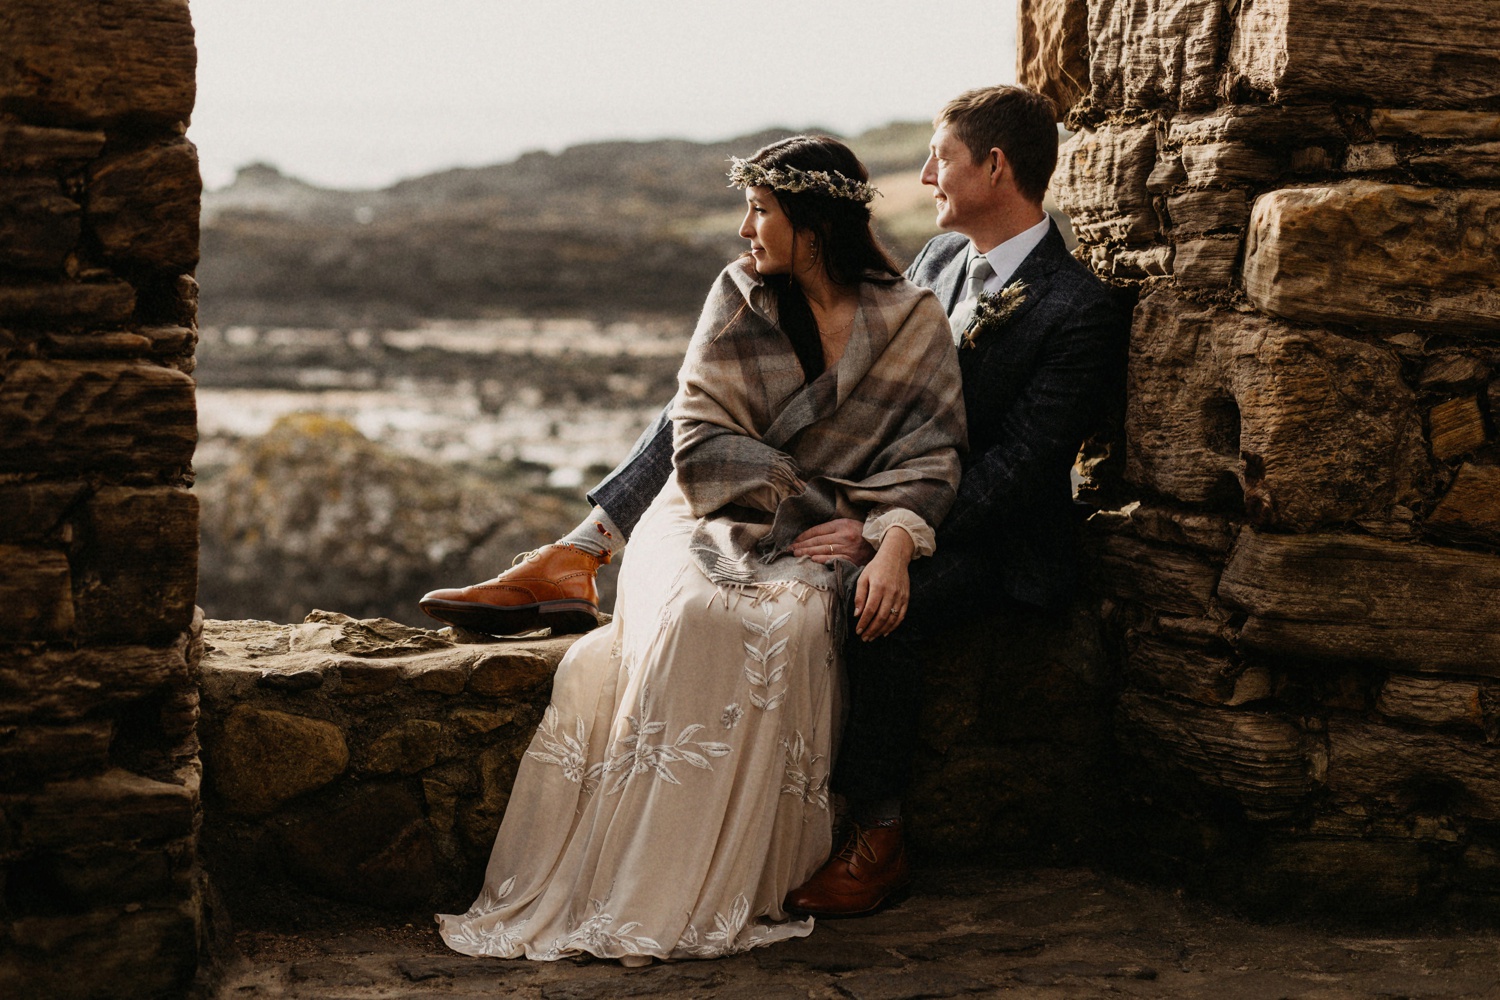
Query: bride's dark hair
847,247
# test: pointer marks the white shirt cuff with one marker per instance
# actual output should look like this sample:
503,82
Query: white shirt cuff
876,525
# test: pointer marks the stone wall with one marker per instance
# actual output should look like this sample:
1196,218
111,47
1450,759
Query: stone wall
370,762
99,883
1304,565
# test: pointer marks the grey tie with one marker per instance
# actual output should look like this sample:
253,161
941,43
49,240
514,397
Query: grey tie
980,271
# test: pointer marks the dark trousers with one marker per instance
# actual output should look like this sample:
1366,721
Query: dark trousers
955,585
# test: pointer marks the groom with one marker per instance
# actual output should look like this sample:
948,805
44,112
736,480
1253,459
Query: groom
1037,360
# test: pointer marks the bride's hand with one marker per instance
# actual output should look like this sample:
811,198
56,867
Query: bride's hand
831,540
884,588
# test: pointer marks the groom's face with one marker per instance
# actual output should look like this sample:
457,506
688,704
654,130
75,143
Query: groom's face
961,187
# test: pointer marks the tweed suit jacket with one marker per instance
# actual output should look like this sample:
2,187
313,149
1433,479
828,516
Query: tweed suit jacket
1034,390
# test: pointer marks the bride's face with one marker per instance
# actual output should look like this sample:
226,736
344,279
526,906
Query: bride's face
773,242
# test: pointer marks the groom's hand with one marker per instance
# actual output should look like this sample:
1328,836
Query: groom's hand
834,539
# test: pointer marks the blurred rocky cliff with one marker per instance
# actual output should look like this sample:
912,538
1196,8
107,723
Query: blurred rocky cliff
603,230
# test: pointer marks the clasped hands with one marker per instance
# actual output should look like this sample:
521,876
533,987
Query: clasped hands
884,589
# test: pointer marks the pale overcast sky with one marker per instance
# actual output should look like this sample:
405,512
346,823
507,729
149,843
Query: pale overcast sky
360,93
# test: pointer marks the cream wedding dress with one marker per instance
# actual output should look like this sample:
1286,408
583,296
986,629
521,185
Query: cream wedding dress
678,785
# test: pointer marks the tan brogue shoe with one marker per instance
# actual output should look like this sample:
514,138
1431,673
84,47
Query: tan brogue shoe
869,870
552,586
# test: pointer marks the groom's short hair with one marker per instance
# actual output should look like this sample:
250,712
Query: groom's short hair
1021,123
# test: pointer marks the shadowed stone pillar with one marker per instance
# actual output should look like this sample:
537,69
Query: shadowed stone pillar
1303,567
99,882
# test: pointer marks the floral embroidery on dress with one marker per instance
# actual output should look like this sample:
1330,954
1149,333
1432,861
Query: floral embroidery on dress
568,752
597,937
731,715
724,939
497,940
668,613
760,670
801,782
640,756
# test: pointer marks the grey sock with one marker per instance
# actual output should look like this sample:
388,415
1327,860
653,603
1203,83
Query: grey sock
595,534
875,812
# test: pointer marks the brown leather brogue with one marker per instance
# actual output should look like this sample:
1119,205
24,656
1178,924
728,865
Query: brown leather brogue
550,587
869,870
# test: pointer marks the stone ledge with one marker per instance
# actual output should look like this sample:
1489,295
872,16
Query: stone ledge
372,762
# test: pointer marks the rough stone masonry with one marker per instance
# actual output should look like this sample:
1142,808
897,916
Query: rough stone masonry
1299,564
99,810
1302,562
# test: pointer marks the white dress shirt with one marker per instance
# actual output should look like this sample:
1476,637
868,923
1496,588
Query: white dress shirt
1008,256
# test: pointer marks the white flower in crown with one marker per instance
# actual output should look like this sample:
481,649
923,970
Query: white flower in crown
743,174
993,310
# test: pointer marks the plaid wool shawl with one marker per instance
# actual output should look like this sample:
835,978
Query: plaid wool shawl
761,455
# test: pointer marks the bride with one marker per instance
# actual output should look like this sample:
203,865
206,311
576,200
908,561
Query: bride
678,785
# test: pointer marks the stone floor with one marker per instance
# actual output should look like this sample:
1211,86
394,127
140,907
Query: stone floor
1064,933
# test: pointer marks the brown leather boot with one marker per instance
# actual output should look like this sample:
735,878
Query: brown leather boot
552,586
867,871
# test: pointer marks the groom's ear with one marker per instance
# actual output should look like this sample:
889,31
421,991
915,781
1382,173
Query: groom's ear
996,163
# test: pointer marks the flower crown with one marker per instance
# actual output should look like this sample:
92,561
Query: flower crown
743,174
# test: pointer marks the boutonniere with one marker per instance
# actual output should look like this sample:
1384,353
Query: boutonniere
993,310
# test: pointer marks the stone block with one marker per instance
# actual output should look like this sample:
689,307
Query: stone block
1270,125
36,594
1456,427
1229,164
1125,262
1205,211
1371,877
1101,183
1052,49
1432,701
1470,511
1425,123
30,754
136,576
1388,256
1259,759
1453,373
1154,522
407,747
1307,426
1462,163
357,678
1432,55
479,815
96,303
1206,263
53,150
1352,597
36,512
63,686
375,847
38,223
114,807
78,416
261,758
1157,576
1401,769
142,953
96,344
143,206
510,672
1203,673
1370,157
437,678
100,876
105,61
1154,53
